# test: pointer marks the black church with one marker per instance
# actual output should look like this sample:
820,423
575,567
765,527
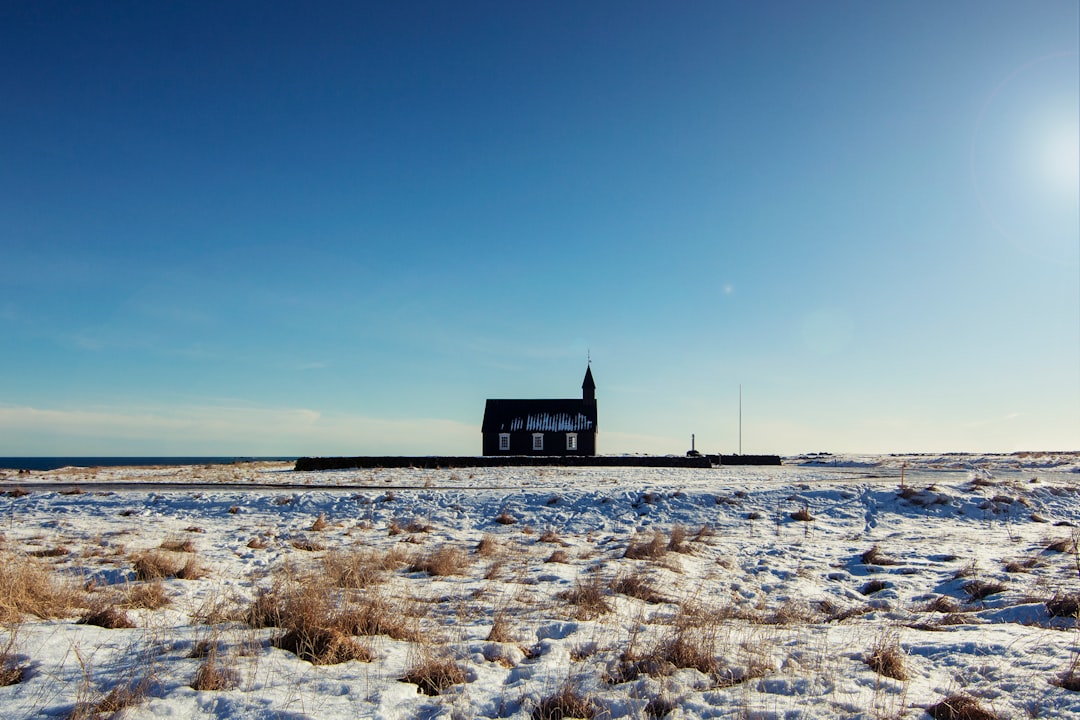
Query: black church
542,427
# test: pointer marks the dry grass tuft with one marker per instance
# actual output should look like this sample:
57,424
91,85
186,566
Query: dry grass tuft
588,598
360,569
566,703
213,675
184,545
500,627
960,707
308,545
677,541
505,518
636,585
320,523
550,536
873,586
659,707
1064,545
114,703
982,589
434,674
558,556
942,604
874,556
107,616
886,658
29,586
442,561
1064,606
153,565
57,551
11,672
323,645
146,595
487,546
651,549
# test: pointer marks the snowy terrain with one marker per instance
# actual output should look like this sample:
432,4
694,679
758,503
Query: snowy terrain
537,585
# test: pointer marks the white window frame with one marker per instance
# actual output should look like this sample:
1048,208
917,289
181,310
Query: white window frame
571,441
538,441
504,441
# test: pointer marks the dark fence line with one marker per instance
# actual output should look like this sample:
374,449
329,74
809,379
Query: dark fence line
435,462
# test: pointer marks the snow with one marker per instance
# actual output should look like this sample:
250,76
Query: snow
784,605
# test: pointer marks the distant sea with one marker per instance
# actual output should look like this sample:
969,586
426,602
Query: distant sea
52,463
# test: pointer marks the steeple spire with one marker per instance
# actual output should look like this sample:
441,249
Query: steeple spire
588,387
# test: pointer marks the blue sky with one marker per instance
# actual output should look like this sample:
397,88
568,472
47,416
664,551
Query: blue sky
337,228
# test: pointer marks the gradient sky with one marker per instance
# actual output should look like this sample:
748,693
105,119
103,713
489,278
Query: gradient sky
337,228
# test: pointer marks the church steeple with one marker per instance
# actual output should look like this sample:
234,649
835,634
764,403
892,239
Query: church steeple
588,387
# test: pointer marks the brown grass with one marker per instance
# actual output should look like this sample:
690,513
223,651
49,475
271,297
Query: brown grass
29,586
434,674
11,672
959,707
505,518
487,546
636,585
185,545
652,549
886,658
106,616
982,589
146,595
588,598
566,703
558,556
1064,606
113,703
1064,545
359,569
550,536
874,556
677,540
442,561
308,545
213,675
320,523
57,551
154,565
323,645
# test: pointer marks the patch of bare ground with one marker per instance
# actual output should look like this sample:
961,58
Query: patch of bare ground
959,707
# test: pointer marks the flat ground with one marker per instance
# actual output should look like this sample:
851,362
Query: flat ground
814,591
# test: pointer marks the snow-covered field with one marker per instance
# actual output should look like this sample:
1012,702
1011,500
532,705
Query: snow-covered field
639,592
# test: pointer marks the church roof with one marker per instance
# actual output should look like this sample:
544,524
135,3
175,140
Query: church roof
573,415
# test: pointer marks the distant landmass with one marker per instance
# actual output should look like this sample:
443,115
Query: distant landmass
53,463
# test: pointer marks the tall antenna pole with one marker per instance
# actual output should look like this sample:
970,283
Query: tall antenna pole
740,418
